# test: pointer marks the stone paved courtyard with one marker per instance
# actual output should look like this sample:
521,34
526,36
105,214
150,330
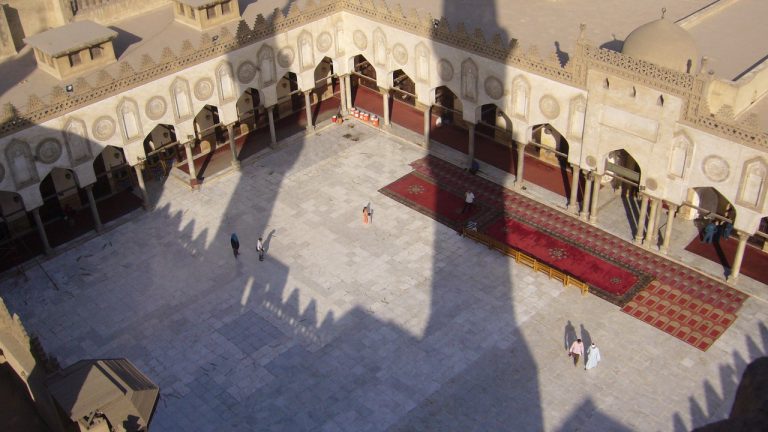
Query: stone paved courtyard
398,325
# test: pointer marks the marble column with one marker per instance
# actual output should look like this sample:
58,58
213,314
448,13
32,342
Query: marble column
585,205
427,120
595,199
648,242
308,110
671,210
641,220
573,201
142,186
41,231
271,118
190,163
471,147
386,121
233,146
520,166
343,90
736,267
348,95
94,209
657,224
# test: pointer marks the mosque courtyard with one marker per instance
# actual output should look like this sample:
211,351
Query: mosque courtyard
397,325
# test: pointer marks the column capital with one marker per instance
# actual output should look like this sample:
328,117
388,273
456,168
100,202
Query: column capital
742,235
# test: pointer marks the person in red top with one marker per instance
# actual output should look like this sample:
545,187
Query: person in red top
576,351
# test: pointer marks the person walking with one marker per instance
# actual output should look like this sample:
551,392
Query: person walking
469,201
235,242
365,215
260,249
593,356
576,351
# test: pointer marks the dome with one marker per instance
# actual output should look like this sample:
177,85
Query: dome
664,43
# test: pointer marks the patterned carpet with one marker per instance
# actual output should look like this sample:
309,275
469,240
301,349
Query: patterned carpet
679,301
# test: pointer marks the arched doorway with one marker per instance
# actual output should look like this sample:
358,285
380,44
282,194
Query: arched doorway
623,173
19,240
65,212
447,125
365,89
493,139
403,106
161,148
326,96
114,188
207,129
546,160
250,111
291,117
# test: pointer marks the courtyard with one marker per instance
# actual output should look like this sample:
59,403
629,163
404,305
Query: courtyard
396,325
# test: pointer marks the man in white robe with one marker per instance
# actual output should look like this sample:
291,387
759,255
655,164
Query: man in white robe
593,356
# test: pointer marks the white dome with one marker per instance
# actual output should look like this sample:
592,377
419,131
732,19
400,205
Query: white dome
664,43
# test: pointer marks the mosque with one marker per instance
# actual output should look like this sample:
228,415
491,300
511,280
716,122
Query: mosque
93,119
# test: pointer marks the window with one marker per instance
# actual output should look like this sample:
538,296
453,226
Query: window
211,11
191,12
226,7
181,8
74,59
96,52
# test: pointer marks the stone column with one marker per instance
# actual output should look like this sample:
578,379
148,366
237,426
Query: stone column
671,210
641,220
471,148
651,223
736,267
233,146
587,195
657,224
271,117
343,90
385,104
41,231
573,201
142,186
348,95
94,209
427,123
190,163
520,165
595,198
308,110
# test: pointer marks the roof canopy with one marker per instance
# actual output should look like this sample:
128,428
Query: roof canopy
70,38
113,387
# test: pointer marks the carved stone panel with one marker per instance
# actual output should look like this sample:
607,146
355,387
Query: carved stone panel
469,80
203,89
266,58
422,63
21,163
181,98
324,42
576,118
306,51
400,53
715,168
493,87
285,57
521,91
549,107
339,39
445,70
48,151
680,159
379,47
103,128
78,145
360,40
155,108
753,184
246,72
651,184
226,84
128,117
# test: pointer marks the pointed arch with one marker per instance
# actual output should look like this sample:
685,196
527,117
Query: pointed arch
128,117
21,163
181,99
78,146
422,62
266,56
753,184
226,82
521,92
576,117
379,47
681,155
469,74
306,51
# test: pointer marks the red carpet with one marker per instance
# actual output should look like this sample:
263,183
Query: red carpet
682,302
754,264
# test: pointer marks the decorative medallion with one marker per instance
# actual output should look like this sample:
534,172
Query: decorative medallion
246,72
615,280
591,161
651,184
324,42
155,107
203,89
400,53
494,88
103,128
558,253
285,57
415,189
48,151
445,70
2,173
549,107
715,168
360,40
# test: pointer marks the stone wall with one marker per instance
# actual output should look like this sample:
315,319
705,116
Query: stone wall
106,12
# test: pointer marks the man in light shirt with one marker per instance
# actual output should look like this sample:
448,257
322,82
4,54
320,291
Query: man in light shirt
576,351
469,200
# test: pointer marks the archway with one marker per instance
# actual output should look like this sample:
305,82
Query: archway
546,160
291,116
207,129
65,212
447,124
250,111
365,89
403,107
161,149
19,240
493,139
326,97
622,170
